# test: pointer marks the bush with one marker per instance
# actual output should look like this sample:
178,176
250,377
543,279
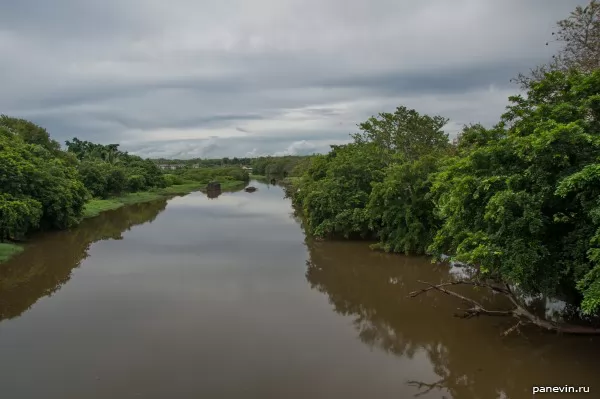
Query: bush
18,217
116,181
94,175
136,183
205,175
32,172
171,180
521,202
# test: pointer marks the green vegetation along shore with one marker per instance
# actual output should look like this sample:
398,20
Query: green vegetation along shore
518,202
97,205
45,187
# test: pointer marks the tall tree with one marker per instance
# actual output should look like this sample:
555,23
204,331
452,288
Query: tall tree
579,37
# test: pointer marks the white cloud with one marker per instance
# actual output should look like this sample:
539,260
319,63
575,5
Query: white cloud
302,147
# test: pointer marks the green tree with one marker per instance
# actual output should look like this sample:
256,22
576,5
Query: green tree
404,135
31,174
400,209
334,203
514,204
376,186
94,175
18,216
29,132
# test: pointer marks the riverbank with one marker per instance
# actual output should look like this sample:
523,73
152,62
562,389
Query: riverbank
95,207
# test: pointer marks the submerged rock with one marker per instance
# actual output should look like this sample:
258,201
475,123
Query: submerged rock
250,189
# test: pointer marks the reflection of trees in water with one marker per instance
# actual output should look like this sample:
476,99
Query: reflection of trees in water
214,193
470,357
47,262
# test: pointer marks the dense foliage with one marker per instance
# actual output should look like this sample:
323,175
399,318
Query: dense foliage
30,133
335,190
375,187
520,201
39,189
44,187
523,205
205,175
106,171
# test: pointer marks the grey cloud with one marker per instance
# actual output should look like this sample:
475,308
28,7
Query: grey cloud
438,80
201,78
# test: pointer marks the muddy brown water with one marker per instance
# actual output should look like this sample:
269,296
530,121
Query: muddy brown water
224,297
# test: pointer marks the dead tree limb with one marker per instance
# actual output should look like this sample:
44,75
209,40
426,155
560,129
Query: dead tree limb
473,283
519,312
429,386
514,328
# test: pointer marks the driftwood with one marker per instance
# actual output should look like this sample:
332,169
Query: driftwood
524,316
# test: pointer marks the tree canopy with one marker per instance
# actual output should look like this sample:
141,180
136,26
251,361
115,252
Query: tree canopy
519,201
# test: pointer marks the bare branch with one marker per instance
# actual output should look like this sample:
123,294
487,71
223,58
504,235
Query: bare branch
459,282
514,328
524,316
429,386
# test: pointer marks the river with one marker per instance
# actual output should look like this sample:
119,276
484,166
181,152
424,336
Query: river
198,297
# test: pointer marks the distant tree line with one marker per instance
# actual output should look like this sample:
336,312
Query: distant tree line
43,187
207,174
280,166
209,162
107,171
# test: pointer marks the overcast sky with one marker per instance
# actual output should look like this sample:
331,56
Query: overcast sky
199,78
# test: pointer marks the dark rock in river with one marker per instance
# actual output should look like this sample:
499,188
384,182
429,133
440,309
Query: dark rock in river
250,189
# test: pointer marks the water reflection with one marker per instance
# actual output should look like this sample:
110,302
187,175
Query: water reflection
47,263
470,357
211,300
214,193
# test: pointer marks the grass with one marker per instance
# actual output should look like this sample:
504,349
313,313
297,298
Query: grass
96,206
8,250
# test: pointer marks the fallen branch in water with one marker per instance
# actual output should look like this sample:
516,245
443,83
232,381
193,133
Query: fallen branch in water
459,282
524,316
514,328
429,387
